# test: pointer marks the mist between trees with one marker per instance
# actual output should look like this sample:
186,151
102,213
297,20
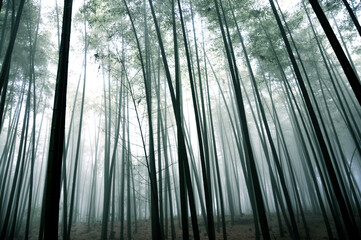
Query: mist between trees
180,119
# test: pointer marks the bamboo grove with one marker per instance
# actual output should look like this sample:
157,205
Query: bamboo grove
180,119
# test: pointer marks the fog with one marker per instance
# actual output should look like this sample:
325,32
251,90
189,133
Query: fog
208,119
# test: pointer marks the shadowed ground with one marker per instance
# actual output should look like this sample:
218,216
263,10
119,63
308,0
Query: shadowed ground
243,228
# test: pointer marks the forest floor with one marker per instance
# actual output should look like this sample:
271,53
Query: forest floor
243,228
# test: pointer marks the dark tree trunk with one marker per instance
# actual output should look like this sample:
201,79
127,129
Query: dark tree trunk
206,177
337,48
52,185
5,68
352,15
341,203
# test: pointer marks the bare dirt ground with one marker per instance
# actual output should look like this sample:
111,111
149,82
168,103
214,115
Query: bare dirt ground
243,228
